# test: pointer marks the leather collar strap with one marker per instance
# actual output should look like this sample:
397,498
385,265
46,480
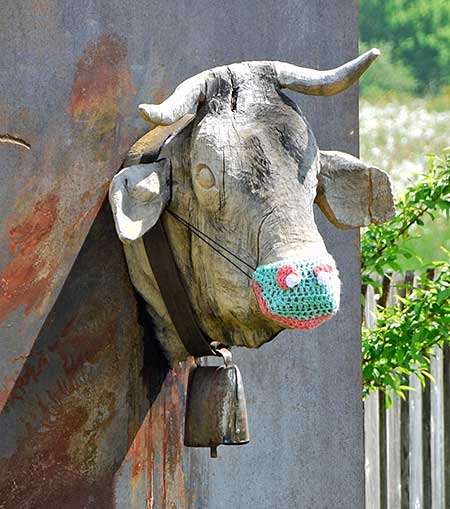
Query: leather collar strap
173,292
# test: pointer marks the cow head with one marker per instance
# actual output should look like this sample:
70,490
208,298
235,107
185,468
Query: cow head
235,160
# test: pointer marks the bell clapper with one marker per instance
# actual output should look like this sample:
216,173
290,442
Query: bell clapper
213,451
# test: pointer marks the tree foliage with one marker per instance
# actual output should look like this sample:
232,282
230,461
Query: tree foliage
419,33
387,76
382,246
400,343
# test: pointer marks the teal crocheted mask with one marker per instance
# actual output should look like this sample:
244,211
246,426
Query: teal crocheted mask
298,294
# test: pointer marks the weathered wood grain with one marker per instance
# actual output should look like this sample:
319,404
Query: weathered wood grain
412,453
352,194
245,170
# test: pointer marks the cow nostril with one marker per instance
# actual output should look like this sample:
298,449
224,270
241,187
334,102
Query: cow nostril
287,277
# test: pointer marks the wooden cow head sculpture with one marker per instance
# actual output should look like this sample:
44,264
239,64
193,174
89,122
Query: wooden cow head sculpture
233,171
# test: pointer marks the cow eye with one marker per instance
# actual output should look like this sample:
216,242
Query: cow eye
205,177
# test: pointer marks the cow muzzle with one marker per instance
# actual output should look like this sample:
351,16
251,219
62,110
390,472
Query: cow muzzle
300,294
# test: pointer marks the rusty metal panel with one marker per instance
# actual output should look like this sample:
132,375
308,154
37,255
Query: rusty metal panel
66,94
67,420
94,407
75,384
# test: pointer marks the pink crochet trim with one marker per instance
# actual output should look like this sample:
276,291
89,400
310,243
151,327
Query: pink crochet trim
322,267
282,273
292,323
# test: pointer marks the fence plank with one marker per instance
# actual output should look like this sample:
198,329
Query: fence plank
372,457
393,423
393,453
426,432
437,432
446,391
404,426
371,424
408,445
415,433
426,449
382,444
404,453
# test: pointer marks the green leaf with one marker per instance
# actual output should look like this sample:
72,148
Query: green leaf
443,295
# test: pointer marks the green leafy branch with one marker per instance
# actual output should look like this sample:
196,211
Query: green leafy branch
401,341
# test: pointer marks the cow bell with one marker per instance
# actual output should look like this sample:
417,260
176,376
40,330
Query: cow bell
216,410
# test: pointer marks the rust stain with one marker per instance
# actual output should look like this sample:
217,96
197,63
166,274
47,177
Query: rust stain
165,443
69,399
41,6
25,236
13,386
89,214
156,453
138,453
65,425
29,373
159,94
102,84
20,475
53,455
75,349
135,452
86,196
27,279
8,384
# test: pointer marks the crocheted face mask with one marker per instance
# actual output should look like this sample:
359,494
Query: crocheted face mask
298,294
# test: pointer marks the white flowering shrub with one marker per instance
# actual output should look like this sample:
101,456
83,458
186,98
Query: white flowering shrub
396,136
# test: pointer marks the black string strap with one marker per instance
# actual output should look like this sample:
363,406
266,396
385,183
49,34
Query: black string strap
173,292
213,243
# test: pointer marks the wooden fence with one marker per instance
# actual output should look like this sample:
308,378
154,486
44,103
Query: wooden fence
407,446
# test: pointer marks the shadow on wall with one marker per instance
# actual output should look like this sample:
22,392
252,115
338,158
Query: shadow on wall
74,417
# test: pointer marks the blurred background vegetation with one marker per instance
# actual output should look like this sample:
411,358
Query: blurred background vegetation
405,101
416,37
405,130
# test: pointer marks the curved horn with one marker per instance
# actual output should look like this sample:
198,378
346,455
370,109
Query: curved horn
312,82
184,100
192,91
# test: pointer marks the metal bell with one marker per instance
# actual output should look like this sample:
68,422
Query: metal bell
216,410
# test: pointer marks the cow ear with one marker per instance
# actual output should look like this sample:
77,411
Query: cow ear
138,195
352,194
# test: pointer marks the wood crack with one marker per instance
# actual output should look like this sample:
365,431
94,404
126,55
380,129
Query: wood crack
258,247
234,91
